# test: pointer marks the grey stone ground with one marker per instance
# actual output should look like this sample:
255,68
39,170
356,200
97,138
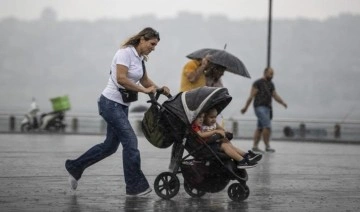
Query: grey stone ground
300,176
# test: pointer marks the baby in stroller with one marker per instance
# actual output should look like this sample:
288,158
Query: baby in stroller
218,139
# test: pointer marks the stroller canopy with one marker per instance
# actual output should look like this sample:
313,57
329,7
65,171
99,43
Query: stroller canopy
189,104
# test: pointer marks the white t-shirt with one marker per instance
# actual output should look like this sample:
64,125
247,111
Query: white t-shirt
128,57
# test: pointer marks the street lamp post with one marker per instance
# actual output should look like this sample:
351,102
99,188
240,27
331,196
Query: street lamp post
269,35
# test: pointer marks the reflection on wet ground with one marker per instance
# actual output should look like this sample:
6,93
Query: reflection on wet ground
298,177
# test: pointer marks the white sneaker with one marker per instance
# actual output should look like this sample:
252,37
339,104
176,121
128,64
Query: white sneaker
72,182
141,194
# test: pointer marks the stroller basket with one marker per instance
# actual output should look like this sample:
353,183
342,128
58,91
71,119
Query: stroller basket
204,176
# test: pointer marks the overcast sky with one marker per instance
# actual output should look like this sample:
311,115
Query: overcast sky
234,9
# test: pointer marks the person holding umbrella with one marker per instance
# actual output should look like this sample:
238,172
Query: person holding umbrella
213,75
263,90
192,75
207,66
201,72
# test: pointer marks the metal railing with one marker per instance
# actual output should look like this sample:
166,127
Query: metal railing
242,128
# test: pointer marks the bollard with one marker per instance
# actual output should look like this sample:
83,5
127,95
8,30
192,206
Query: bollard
302,130
235,129
337,131
74,124
288,132
12,123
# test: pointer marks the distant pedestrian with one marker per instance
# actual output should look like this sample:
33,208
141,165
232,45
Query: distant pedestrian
127,70
263,90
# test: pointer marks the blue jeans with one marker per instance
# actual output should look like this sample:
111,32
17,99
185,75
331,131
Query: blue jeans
263,115
119,131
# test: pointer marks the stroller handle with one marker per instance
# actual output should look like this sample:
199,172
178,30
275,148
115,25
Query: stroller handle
155,97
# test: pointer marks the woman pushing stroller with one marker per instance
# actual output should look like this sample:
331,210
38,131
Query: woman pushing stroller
206,127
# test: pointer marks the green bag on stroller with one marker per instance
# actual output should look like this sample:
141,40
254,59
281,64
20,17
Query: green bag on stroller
154,128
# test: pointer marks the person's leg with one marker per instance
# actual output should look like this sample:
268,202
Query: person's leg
238,150
266,137
135,179
250,156
230,151
119,130
266,123
99,151
257,137
240,161
93,155
258,130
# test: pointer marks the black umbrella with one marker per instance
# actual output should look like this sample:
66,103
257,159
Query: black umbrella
201,53
223,58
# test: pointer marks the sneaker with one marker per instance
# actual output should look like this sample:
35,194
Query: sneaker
257,150
243,164
252,156
268,149
254,159
141,194
252,153
72,180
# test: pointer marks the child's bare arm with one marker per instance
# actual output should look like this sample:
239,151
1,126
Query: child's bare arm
210,133
206,134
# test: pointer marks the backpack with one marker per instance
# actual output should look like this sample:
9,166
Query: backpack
155,128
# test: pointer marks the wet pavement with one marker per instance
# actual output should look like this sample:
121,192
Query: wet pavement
300,176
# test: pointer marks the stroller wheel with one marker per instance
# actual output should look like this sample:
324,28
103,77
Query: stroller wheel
238,192
193,191
166,185
247,191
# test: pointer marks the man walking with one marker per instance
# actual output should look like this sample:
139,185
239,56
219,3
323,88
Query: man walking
263,90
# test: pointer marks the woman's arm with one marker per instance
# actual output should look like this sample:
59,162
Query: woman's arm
147,82
122,79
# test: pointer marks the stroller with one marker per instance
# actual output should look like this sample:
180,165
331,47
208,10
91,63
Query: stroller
203,169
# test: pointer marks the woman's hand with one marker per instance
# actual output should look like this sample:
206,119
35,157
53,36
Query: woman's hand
166,90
